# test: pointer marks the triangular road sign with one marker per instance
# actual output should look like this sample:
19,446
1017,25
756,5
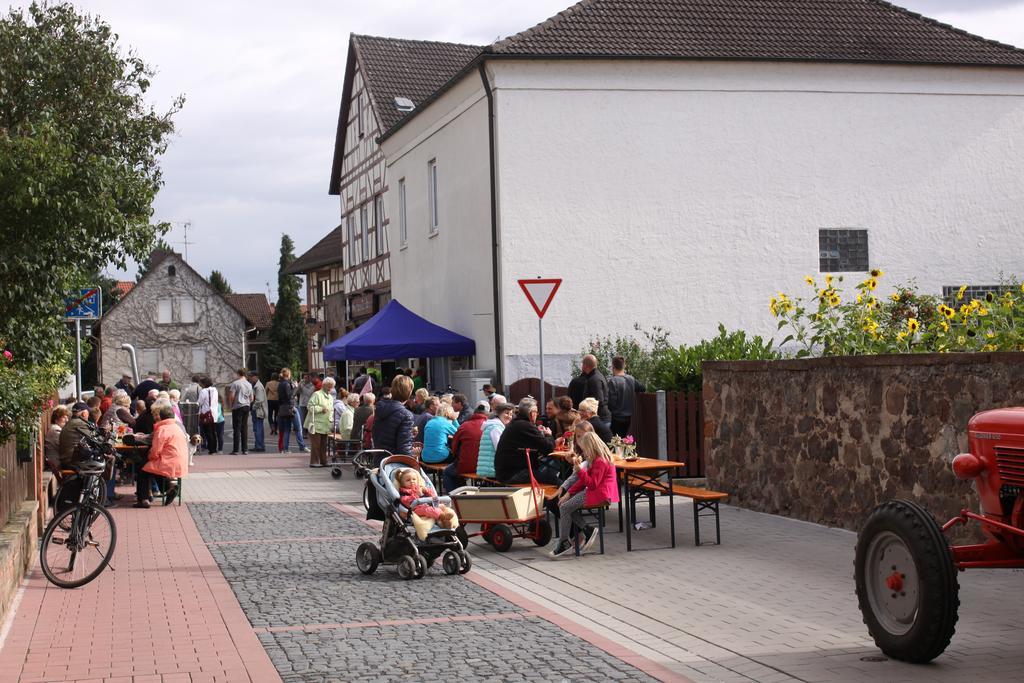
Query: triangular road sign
539,292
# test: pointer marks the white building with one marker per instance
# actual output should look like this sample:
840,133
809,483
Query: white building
679,162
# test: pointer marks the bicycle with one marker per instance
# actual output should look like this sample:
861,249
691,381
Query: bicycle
85,525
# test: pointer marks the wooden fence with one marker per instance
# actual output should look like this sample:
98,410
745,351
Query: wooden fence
22,480
684,422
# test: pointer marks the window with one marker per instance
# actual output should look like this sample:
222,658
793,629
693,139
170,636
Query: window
843,251
359,114
198,359
252,361
365,220
165,311
150,361
187,310
403,226
432,194
323,291
351,239
972,292
378,221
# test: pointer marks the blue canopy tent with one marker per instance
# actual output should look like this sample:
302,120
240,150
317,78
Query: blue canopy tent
397,332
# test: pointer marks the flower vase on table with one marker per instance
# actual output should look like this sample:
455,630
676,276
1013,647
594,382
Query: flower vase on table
623,448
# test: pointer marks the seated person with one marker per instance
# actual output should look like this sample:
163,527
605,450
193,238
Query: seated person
565,417
520,434
490,436
168,456
410,488
588,412
438,430
72,432
594,485
465,449
119,412
58,418
420,420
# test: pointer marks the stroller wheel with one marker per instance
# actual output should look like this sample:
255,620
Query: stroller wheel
541,531
451,562
368,557
501,537
421,566
466,562
336,473
407,567
366,496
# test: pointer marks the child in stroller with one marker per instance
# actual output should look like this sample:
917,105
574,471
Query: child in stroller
412,489
413,549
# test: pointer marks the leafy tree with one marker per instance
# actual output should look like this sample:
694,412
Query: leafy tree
79,151
220,283
286,343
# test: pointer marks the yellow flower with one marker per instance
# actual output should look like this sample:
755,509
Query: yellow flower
945,326
982,310
860,298
946,311
960,293
901,336
961,340
990,335
895,297
773,306
828,280
809,280
834,300
871,283
989,347
877,272
869,326
913,325
965,310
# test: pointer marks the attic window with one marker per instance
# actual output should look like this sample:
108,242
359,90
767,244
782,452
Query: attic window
404,104
172,271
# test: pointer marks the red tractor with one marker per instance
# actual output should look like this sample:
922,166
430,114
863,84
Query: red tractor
906,570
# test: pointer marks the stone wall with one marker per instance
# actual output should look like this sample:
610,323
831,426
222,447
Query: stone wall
827,439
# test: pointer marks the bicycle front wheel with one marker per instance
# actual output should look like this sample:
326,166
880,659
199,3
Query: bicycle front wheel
77,545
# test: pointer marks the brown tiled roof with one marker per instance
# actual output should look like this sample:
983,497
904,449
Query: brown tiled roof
414,69
323,253
812,30
254,307
123,287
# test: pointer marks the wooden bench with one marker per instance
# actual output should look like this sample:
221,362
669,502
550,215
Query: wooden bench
474,477
703,501
435,470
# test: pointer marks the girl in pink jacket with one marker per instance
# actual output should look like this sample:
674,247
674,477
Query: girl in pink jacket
594,485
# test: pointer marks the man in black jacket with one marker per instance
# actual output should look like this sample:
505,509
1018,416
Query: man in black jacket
591,384
521,433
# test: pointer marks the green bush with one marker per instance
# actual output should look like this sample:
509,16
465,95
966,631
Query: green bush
659,365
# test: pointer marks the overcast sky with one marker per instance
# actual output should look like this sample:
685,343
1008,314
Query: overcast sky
262,79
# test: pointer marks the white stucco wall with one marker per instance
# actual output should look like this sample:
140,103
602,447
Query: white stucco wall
447,277
682,194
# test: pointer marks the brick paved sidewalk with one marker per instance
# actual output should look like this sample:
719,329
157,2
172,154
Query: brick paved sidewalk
165,614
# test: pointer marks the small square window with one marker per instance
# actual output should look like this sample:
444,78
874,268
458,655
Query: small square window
187,310
843,251
165,311
198,359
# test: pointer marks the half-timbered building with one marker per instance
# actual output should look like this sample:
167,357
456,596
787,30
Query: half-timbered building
385,79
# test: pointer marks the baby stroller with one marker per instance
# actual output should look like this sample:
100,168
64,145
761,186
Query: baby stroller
399,544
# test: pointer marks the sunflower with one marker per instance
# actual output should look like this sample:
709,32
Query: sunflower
773,306
828,280
901,336
913,325
989,347
877,272
982,311
809,280
944,325
946,311
990,297
860,298
871,283
834,300
895,297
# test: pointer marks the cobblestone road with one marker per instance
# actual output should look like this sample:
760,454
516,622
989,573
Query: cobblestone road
291,566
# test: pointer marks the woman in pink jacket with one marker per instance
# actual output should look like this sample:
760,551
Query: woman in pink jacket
594,485
168,458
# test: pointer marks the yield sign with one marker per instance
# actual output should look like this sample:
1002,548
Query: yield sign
540,292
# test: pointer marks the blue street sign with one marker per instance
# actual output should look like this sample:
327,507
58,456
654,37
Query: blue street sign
84,306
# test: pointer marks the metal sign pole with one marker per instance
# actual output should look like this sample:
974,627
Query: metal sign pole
78,357
540,333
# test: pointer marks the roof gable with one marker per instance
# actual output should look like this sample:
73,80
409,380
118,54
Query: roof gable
254,307
807,30
394,67
325,252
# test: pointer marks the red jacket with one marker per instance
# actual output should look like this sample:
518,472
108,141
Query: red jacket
466,442
168,453
599,480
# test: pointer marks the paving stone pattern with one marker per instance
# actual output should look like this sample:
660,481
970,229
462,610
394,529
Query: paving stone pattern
315,583
530,650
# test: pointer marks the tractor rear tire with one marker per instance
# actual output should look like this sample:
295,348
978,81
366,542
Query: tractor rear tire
907,586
